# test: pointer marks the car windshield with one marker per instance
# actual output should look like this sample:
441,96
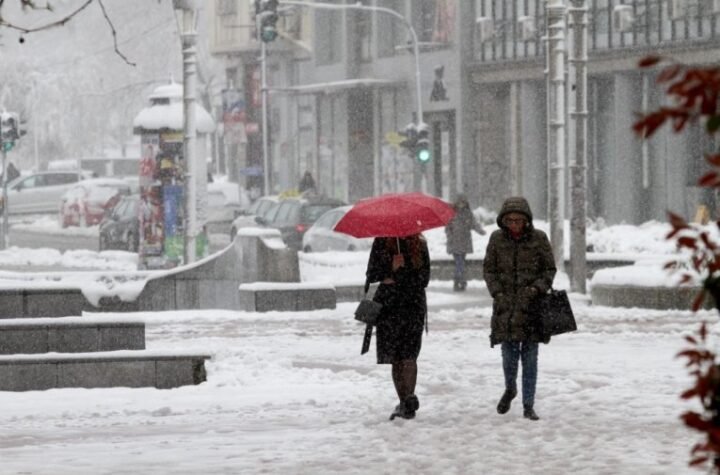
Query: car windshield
311,213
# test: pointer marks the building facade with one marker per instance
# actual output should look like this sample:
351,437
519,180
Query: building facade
342,81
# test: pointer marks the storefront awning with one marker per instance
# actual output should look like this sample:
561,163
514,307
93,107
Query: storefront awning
335,86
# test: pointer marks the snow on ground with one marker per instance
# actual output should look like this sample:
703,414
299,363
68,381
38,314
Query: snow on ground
290,393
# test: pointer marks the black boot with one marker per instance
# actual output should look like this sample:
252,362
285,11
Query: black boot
463,285
504,404
406,409
457,286
529,413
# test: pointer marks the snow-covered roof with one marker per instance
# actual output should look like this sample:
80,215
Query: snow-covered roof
169,115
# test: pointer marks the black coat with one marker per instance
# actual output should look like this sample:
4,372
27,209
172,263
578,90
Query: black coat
401,321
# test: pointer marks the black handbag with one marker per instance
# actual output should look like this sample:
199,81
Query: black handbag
556,315
367,312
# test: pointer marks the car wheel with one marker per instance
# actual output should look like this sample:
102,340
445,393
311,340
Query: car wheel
307,249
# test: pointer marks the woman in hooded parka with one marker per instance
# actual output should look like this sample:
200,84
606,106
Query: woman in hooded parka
518,267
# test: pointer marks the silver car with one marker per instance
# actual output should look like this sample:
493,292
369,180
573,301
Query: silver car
40,192
322,237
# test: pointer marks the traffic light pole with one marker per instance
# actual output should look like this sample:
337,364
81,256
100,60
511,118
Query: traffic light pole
5,243
264,92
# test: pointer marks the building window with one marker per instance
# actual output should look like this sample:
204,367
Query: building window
363,34
226,7
328,36
389,30
434,20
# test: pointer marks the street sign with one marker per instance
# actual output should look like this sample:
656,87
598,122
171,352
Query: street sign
393,138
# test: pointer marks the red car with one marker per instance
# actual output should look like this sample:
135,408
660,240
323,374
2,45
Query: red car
86,203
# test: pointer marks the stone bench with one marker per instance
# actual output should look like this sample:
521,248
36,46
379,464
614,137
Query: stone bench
69,335
353,292
654,297
101,370
286,297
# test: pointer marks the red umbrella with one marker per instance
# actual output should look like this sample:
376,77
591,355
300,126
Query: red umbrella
395,215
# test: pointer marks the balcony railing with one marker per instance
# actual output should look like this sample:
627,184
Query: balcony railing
514,30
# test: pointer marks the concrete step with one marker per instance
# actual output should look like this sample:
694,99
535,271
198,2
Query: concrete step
286,297
133,369
69,335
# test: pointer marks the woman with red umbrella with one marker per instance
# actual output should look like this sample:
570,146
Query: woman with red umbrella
402,266
400,261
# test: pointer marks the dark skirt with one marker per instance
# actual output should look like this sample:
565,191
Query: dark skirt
400,325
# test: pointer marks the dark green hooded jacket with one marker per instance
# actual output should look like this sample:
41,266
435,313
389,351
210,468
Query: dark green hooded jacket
516,271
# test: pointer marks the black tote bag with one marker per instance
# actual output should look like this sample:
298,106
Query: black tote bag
556,314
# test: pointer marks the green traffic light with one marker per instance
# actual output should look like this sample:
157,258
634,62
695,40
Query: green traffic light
268,35
423,155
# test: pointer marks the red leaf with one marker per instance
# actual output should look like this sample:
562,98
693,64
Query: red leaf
691,339
703,331
685,279
670,265
649,61
689,394
687,242
713,159
688,353
677,221
710,179
669,73
699,461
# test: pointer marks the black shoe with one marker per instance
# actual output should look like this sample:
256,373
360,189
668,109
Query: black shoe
529,413
463,285
412,404
398,412
504,403
457,286
407,408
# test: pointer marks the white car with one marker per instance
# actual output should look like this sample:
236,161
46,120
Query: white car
321,237
40,192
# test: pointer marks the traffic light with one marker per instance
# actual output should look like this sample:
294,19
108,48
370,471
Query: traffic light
422,145
9,129
410,134
266,11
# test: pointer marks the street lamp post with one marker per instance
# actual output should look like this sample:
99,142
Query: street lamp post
187,9
556,122
578,241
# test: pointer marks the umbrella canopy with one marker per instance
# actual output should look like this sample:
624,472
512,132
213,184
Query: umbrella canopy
395,215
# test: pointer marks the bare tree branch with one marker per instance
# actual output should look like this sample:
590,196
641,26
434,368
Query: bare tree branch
31,4
114,33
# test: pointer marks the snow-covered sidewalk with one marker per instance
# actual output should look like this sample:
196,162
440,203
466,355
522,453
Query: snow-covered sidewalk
290,393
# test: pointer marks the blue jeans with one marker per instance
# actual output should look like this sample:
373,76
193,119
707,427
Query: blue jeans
512,352
459,267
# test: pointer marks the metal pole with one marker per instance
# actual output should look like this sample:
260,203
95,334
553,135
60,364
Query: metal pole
5,222
578,166
190,133
556,146
266,132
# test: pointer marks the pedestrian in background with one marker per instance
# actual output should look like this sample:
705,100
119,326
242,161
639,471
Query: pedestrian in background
402,266
459,238
307,183
518,267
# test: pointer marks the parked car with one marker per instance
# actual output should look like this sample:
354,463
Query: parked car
264,208
40,192
321,236
120,228
295,215
87,202
221,214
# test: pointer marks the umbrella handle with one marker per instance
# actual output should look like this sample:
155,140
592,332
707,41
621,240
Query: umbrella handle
397,240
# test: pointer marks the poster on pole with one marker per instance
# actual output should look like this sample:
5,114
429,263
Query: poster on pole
234,117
